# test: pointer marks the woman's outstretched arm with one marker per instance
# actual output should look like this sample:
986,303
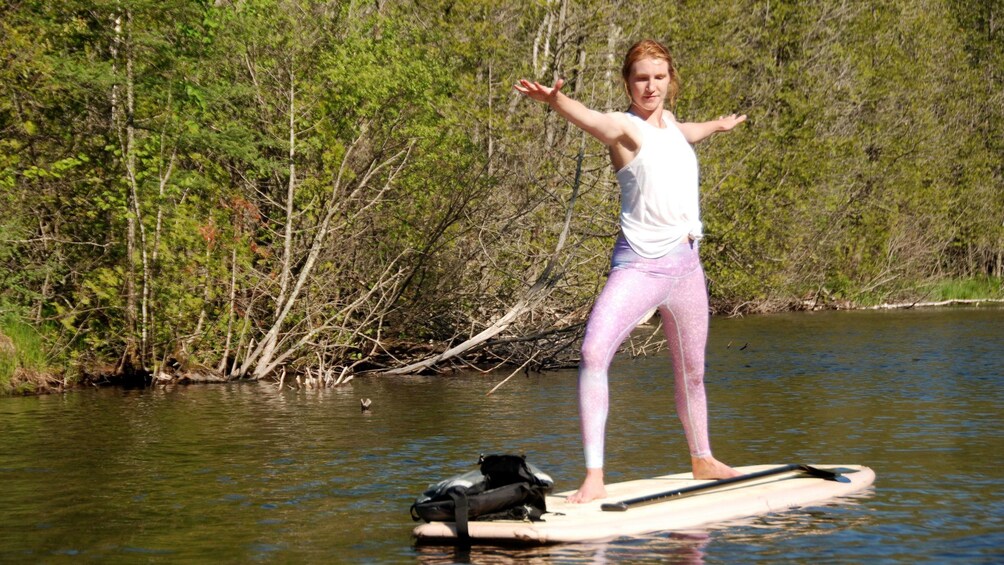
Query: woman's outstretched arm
696,132
609,129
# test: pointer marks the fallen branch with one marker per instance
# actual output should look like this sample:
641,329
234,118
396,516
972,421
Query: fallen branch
908,305
534,296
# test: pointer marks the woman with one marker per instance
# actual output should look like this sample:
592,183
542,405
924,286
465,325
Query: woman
655,259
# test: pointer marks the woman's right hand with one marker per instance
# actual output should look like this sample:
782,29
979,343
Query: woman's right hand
538,91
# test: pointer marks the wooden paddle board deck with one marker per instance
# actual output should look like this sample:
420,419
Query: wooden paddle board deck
566,522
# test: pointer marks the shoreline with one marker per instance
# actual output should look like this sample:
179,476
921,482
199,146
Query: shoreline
47,383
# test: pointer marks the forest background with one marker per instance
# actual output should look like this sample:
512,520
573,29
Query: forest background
306,189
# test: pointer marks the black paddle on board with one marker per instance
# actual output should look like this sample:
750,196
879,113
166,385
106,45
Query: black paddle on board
687,491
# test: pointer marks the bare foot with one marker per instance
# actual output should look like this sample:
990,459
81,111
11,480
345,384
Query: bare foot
592,488
711,468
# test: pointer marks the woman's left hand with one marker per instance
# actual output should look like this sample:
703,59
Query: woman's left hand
726,123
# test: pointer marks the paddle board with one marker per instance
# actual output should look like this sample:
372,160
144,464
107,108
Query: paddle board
667,503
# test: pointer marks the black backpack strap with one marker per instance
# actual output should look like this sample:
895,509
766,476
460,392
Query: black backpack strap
460,512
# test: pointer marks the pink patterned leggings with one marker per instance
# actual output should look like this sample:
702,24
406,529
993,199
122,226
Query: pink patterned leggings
675,285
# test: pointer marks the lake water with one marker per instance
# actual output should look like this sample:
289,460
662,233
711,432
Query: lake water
246,473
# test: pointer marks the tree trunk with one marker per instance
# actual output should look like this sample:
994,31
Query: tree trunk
132,354
230,312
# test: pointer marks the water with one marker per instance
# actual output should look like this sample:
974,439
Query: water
250,474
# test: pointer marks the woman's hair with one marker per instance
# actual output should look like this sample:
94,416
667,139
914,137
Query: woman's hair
651,49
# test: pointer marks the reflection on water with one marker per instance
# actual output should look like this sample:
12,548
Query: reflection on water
678,548
250,473
746,538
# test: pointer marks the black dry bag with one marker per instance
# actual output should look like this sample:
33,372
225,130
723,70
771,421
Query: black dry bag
505,487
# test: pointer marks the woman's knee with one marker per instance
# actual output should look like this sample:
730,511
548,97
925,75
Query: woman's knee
594,353
688,370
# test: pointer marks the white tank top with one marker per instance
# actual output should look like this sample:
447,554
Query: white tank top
659,199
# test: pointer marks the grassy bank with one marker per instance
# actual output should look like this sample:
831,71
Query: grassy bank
935,292
970,289
24,368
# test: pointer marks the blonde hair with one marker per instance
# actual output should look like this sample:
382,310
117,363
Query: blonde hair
651,49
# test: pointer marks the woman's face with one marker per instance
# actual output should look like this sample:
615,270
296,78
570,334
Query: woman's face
648,83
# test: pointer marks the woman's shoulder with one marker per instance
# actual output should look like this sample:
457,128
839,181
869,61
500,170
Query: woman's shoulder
628,120
623,116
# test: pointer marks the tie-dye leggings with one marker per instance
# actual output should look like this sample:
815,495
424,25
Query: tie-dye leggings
675,285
